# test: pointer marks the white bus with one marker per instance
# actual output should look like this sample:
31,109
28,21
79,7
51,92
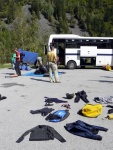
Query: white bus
75,51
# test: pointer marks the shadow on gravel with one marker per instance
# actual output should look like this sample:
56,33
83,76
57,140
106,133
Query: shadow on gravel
82,68
103,81
39,80
106,76
9,73
7,85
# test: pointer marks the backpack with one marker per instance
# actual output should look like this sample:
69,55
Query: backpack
58,116
92,111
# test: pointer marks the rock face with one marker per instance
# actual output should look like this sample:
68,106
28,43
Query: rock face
76,30
25,9
45,25
46,28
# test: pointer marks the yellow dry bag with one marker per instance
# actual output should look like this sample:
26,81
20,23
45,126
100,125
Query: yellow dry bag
92,111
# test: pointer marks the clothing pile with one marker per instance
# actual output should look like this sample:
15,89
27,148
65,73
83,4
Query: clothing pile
79,128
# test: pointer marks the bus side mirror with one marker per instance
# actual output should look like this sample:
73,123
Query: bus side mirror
45,49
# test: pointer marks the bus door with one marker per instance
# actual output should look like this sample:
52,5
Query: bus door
60,50
88,55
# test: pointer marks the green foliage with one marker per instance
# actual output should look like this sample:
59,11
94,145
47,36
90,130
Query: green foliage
11,11
22,31
59,10
36,7
2,65
63,26
48,11
5,43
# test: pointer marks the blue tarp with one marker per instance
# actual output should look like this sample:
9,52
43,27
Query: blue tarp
37,75
30,57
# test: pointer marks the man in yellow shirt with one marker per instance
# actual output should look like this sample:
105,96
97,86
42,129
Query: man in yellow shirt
52,62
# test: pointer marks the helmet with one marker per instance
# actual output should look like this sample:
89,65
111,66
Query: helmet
69,96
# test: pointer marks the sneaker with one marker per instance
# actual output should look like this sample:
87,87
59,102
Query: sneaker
57,82
7,76
52,81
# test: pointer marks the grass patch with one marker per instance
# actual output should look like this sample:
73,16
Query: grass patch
5,65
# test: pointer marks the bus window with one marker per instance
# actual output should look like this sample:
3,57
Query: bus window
103,44
75,45
112,44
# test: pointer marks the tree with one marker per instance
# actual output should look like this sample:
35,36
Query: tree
48,11
36,7
63,26
59,10
11,11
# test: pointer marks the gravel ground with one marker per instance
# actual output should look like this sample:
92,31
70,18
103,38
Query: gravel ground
27,93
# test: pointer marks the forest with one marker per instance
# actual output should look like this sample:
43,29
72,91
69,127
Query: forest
21,30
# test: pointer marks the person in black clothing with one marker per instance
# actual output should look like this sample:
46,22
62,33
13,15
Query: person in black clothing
41,68
42,133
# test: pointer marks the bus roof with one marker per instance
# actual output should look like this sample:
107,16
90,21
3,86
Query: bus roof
63,35
72,36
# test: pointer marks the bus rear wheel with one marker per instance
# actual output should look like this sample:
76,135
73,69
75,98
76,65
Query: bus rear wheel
71,64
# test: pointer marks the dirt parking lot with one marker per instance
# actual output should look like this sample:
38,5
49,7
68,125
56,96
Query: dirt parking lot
27,93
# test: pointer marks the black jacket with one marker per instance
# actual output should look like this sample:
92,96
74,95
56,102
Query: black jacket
86,130
44,111
42,132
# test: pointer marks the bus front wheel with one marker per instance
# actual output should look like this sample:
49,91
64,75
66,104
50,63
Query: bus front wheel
71,64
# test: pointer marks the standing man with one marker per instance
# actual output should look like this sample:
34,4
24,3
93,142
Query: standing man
17,64
52,63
